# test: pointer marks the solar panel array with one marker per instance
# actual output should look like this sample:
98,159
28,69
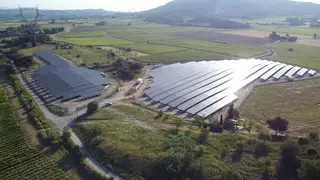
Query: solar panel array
203,88
62,80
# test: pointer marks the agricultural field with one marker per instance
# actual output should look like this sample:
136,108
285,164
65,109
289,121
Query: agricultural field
95,41
309,31
228,49
82,34
18,160
144,37
296,102
87,28
224,38
302,55
152,48
181,56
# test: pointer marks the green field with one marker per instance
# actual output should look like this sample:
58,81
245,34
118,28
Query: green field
296,102
232,49
88,56
145,37
152,48
302,55
19,160
310,31
82,34
187,55
95,41
87,28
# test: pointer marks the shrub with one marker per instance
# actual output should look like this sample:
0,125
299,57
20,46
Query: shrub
311,151
303,141
92,107
261,150
216,127
203,137
314,136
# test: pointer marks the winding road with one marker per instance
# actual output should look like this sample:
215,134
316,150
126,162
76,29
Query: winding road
61,122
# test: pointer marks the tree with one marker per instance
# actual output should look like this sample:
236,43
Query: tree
310,170
315,36
289,163
261,149
92,107
178,123
230,175
278,124
129,24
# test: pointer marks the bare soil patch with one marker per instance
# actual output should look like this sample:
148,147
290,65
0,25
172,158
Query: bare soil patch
224,38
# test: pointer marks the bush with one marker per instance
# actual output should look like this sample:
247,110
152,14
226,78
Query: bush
92,107
312,151
303,141
314,136
261,150
216,128
203,137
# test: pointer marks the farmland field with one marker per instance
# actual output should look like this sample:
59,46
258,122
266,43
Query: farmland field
296,102
310,31
232,49
94,41
152,48
302,55
87,28
144,37
82,34
187,55
18,160
221,37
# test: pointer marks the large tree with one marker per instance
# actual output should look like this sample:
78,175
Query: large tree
278,124
92,107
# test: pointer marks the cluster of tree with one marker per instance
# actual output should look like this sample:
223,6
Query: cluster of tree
102,23
25,40
276,37
296,21
19,59
228,24
125,69
52,30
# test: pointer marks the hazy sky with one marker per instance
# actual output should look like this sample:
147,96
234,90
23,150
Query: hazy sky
114,5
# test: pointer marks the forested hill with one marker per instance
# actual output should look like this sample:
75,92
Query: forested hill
9,14
233,8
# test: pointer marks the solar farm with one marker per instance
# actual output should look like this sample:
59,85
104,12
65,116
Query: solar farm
60,80
204,88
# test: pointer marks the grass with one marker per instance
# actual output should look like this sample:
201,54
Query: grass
145,37
288,29
296,102
302,55
87,55
82,34
152,48
232,49
188,55
94,41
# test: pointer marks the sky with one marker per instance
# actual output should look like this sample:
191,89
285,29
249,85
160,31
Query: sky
114,5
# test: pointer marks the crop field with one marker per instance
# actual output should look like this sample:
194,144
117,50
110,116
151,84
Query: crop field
231,49
87,28
187,55
125,30
162,28
302,55
82,34
152,48
296,102
144,37
226,38
310,31
18,160
94,41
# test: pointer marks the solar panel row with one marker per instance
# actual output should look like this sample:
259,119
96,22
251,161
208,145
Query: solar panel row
205,87
65,81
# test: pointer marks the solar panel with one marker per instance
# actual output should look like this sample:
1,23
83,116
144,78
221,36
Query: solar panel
279,74
302,72
292,71
63,80
217,106
267,75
